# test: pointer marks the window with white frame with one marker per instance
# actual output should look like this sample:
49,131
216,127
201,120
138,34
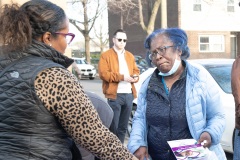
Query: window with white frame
230,5
211,43
197,5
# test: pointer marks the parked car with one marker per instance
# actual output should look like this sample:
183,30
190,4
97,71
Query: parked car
220,70
87,70
141,63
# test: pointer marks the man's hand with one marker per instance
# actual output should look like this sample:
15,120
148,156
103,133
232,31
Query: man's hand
141,153
135,77
130,79
205,139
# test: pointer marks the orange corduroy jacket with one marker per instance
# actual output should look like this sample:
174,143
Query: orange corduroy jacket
108,69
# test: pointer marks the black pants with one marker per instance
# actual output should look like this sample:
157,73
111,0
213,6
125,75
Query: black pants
122,107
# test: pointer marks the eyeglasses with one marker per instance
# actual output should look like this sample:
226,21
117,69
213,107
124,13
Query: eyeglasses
159,51
120,40
69,36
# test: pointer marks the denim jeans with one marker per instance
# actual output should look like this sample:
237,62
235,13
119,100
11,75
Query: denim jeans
236,153
122,107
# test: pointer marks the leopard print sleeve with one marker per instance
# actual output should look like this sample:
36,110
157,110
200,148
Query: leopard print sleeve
77,115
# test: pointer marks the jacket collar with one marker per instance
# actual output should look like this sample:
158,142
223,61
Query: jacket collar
38,49
42,50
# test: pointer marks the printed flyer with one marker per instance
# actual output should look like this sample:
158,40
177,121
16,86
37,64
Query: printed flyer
188,149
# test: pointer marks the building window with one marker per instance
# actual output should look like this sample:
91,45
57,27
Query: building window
211,43
197,6
230,5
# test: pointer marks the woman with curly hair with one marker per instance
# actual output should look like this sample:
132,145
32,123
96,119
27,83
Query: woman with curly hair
43,108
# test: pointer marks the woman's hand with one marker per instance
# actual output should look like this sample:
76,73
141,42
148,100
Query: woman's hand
205,139
141,153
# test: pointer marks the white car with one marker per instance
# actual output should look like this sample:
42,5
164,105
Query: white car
142,78
87,70
220,69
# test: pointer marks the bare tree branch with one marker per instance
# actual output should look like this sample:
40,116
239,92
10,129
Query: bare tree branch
90,9
132,12
74,22
101,35
151,22
118,6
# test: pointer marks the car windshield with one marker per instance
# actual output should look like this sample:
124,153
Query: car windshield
80,61
222,75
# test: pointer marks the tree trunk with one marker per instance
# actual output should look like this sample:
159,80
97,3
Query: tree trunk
87,48
86,32
150,27
87,24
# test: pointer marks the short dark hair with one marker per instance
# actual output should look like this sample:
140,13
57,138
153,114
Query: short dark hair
118,30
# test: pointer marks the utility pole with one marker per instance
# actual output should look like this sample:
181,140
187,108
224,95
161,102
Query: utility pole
164,14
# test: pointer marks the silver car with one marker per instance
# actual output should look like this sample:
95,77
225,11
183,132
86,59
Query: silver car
87,70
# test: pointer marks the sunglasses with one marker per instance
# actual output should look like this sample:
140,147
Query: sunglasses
69,36
120,40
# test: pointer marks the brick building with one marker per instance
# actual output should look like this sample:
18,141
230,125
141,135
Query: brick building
213,27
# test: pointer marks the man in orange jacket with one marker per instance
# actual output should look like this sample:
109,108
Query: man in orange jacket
118,71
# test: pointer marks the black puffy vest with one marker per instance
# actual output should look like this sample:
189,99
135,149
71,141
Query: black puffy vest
27,129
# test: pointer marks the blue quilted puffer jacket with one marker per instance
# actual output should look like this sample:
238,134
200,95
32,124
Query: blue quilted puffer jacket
204,110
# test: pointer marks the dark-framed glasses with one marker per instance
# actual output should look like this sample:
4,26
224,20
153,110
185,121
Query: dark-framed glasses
120,40
159,51
69,36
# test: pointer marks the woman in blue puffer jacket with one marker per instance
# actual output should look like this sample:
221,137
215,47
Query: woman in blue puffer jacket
178,101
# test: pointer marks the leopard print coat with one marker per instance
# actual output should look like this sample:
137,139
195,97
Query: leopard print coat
62,94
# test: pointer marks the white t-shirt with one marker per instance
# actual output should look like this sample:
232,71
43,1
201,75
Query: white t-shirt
123,86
